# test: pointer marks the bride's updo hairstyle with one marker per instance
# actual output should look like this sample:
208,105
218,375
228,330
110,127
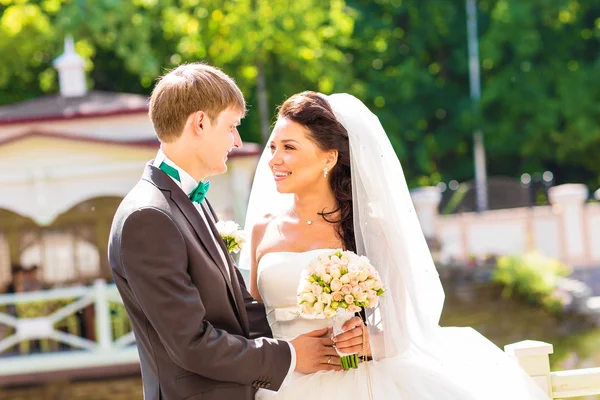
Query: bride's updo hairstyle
312,111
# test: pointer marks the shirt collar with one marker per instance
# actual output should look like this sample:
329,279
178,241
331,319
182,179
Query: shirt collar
187,184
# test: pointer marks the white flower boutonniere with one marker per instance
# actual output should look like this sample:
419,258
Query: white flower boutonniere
232,234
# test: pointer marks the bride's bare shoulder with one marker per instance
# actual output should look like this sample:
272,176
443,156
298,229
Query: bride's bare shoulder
260,227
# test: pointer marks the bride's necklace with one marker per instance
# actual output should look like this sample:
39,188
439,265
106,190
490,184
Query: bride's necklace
308,221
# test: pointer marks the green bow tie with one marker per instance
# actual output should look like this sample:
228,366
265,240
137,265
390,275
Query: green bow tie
197,194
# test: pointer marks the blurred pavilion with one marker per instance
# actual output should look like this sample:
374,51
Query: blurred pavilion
67,160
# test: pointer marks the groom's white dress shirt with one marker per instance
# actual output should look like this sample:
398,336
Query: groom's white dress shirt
188,184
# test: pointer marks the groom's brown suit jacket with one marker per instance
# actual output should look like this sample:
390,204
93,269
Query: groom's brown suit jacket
196,326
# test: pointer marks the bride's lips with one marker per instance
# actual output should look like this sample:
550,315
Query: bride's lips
280,175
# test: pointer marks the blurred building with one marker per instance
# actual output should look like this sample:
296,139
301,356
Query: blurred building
67,160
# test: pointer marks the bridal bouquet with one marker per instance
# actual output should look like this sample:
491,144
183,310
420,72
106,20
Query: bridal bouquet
232,234
336,286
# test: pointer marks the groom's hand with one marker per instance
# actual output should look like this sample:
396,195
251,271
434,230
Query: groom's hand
315,352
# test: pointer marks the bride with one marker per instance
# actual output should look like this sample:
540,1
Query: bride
329,179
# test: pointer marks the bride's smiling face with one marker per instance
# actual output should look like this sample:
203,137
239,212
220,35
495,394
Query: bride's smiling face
296,162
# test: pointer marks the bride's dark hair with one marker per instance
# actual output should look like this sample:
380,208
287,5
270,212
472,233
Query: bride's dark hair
312,111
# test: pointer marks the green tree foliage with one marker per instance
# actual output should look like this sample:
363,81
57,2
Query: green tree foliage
407,59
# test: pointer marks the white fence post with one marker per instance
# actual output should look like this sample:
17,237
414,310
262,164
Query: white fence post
426,201
568,202
103,325
532,356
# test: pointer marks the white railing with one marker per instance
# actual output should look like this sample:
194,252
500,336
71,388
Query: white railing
533,358
102,352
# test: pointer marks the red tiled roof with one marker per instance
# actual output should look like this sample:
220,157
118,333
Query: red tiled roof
249,149
56,107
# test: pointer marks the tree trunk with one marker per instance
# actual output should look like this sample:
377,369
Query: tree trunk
263,103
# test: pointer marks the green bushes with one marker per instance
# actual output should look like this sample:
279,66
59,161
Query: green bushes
532,276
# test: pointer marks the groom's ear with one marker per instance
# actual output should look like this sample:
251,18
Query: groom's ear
198,121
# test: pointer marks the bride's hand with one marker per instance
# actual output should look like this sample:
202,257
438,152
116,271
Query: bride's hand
355,338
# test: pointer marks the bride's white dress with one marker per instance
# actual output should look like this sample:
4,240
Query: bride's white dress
411,376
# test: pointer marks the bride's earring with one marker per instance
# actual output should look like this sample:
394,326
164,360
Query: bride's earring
325,172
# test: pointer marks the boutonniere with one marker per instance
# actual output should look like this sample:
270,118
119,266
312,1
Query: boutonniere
232,234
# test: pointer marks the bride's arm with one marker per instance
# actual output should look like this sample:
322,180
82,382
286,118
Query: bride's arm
258,232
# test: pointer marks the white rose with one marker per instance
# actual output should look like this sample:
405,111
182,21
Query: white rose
307,309
335,285
335,271
309,297
345,279
329,312
319,307
325,298
317,289
320,270
363,274
227,228
305,286
361,297
326,278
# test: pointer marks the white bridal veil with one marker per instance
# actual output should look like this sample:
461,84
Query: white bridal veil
387,231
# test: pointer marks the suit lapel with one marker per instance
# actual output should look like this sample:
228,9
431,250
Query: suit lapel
203,231
211,217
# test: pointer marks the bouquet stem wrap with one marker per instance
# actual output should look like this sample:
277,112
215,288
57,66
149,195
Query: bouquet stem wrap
341,316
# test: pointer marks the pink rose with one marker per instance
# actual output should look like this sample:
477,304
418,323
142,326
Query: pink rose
349,299
374,302
345,279
354,309
346,289
354,281
371,294
335,285
337,296
363,286
361,296
356,291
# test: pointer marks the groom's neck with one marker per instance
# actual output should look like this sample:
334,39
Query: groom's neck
179,154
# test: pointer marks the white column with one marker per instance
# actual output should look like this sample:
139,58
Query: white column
241,174
426,201
532,356
103,323
568,203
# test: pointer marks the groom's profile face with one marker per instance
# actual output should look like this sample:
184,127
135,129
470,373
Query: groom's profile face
218,137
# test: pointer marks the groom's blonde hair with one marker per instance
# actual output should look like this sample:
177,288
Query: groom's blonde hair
187,89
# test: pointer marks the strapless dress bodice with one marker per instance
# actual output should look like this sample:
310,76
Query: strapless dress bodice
278,277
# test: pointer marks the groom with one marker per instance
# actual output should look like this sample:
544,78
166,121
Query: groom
199,333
